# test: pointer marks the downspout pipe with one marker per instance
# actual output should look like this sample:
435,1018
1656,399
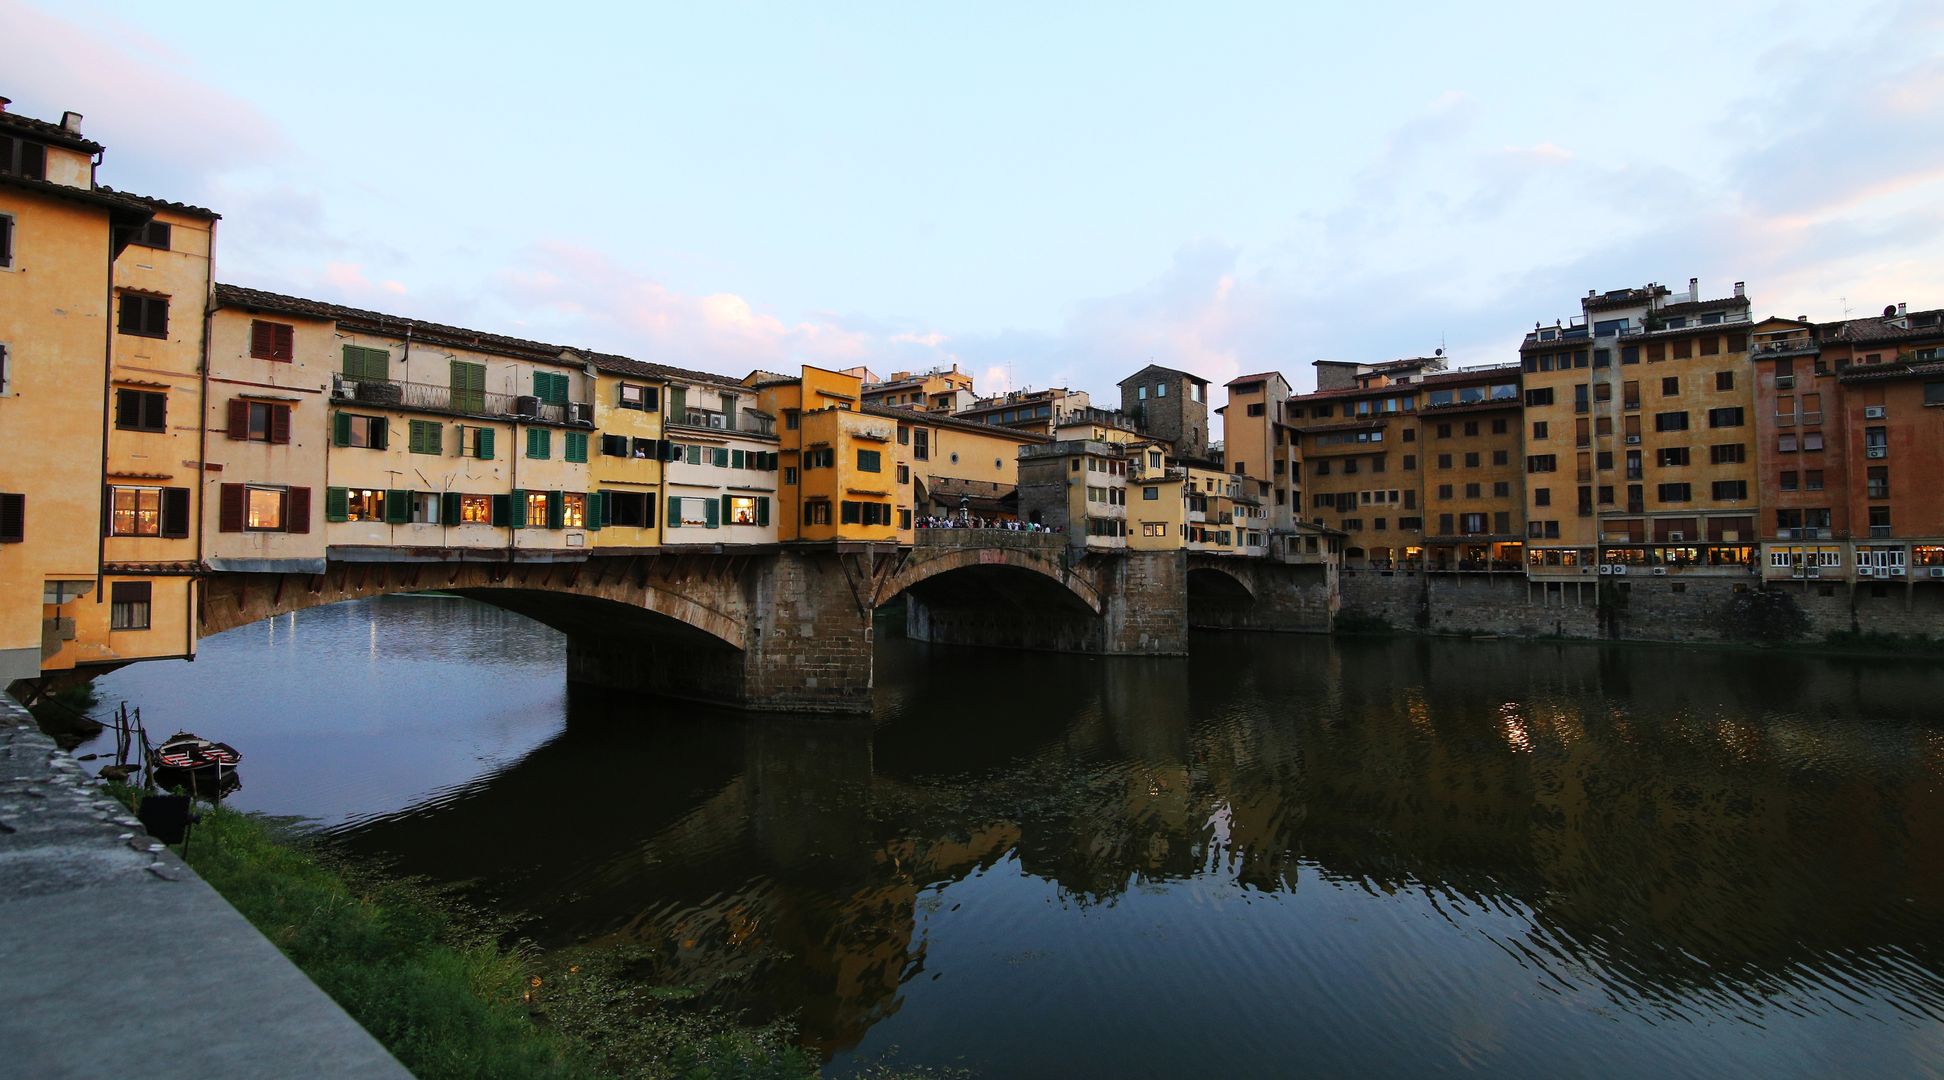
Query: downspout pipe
202,453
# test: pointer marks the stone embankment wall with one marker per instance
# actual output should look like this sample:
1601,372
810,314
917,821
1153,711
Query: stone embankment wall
1643,609
1255,594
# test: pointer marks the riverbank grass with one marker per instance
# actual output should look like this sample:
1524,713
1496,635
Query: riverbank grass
427,977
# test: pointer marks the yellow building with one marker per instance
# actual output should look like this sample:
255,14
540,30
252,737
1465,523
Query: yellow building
961,468
1361,459
1638,435
627,466
1259,442
1225,515
1157,500
940,390
64,247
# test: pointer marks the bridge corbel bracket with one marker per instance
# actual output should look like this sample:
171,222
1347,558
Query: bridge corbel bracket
606,565
639,572
316,584
890,566
851,579
412,579
454,579
276,598
546,577
573,575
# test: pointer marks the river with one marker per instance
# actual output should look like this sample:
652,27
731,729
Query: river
1287,855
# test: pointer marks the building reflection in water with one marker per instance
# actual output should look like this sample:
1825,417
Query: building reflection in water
1683,835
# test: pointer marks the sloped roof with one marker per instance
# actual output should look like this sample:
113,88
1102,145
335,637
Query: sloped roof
48,133
154,203
378,322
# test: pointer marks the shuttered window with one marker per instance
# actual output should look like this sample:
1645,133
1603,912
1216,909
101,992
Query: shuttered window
427,437
468,386
576,448
144,316
272,340
550,387
6,240
539,443
153,234
141,410
361,363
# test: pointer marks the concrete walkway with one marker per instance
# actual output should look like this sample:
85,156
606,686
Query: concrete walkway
116,959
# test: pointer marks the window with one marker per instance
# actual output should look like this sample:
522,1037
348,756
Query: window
1471,460
865,513
141,410
550,387
151,234
1538,429
1140,393
365,431
476,442
539,443
1471,427
1785,443
6,241
361,504
1790,480
1878,483
791,419
825,458
1501,488
134,511
1150,493
1537,463
427,437
1812,440
272,340
1710,345
1410,462
576,446
904,473
630,509
1472,491
1683,348
1724,380
1730,490
1539,397
817,511
789,474
361,363
1161,390
471,510
129,605
13,518
1410,435
742,510
1674,492
1444,461
1542,496
1444,491
870,461
1499,426
1671,457
573,510
468,382
1728,417
1671,386
1629,354
144,316
1727,454
20,157
637,397
921,444
1671,421
1444,431
1879,521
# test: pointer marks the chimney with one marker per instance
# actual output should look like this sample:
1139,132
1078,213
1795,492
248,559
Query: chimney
4,102
1802,318
71,122
1900,309
1694,289
1741,290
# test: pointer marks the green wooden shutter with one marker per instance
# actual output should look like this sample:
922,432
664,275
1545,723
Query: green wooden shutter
468,386
694,455
762,510
556,509
341,428
576,446
517,507
709,512
485,444
449,508
398,507
736,459
337,504
674,512
596,504
502,510
539,443
678,405
722,457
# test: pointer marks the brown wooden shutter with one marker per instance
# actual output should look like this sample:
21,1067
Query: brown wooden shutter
262,339
280,424
284,342
175,512
297,511
229,516
239,419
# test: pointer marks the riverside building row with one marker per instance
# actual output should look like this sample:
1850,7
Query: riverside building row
1658,432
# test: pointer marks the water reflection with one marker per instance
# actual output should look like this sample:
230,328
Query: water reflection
1284,855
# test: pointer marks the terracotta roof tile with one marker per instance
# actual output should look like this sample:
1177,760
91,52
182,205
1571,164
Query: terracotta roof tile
154,203
396,325
46,132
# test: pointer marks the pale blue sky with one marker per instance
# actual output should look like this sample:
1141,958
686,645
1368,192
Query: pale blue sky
1057,198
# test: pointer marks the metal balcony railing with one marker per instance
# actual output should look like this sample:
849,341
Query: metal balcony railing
434,398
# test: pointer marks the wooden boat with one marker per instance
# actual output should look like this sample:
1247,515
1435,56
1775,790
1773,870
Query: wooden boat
196,764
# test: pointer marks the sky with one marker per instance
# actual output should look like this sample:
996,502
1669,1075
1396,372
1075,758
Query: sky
1044,195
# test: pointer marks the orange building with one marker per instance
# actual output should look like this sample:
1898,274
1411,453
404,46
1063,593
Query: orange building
1473,474
1259,442
1358,440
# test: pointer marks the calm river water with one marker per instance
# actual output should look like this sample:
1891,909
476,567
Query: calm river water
1285,856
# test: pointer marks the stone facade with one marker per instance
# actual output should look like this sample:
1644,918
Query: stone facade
1255,594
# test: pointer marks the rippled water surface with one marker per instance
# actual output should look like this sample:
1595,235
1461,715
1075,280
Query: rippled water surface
1284,856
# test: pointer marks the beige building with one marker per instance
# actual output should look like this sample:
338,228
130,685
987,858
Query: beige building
940,390
1259,442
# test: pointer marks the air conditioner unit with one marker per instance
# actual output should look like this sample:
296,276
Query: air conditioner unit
1784,382
1633,440
1873,412
1937,571
1876,451
1620,568
1866,571
526,405
343,387
1893,571
1676,537
1660,571
1606,568
580,412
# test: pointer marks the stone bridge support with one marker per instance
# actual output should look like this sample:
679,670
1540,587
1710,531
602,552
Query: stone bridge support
1227,593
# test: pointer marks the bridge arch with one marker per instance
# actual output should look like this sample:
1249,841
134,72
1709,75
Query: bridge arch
1218,582
574,598
927,564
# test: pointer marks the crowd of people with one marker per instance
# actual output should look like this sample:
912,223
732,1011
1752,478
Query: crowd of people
970,521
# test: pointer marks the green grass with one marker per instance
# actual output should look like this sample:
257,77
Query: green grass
425,974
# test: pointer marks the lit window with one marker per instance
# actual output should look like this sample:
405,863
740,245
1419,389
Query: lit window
475,509
536,509
573,510
263,509
136,512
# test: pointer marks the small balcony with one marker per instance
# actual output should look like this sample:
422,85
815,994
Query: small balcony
430,397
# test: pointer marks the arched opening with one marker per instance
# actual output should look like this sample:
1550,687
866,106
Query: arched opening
999,605
1216,598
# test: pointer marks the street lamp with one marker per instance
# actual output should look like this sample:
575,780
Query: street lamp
965,510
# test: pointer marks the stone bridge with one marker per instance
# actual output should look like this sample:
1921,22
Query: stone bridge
790,627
